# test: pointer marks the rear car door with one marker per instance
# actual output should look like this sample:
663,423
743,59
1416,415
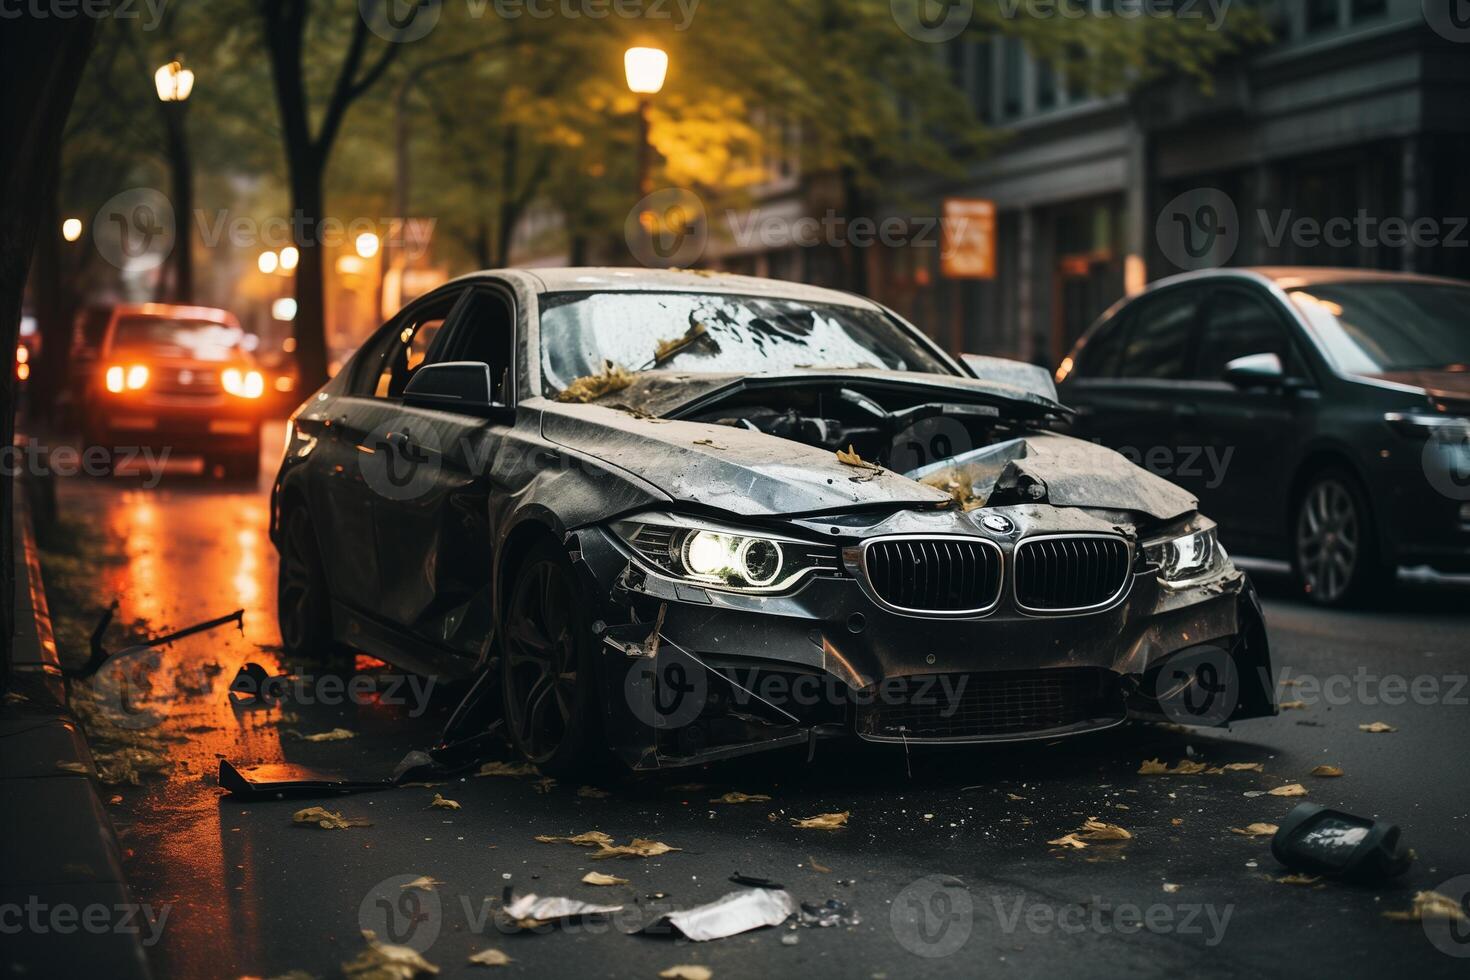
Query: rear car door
434,547
353,474
1237,445
1130,401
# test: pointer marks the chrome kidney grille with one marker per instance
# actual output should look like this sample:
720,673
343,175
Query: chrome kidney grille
934,574
1070,572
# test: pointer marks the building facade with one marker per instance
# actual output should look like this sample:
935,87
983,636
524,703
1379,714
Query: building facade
1354,116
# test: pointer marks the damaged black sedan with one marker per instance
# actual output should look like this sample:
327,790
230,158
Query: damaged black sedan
684,516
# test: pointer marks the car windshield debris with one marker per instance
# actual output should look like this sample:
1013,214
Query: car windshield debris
713,333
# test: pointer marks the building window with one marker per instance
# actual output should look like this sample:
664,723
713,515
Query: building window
981,83
1322,15
1013,77
1046,85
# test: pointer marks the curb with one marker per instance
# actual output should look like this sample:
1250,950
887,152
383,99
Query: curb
60,863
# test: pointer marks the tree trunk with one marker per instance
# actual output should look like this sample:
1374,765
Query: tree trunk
41,61
310,328
855,260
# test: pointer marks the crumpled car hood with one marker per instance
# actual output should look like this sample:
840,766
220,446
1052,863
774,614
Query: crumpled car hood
752,474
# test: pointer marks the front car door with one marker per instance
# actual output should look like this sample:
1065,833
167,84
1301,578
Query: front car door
1238,445
433,542
353,470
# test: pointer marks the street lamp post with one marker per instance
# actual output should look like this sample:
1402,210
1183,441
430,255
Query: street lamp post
646,69
174,83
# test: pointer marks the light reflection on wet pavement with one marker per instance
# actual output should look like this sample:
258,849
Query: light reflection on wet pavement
251,894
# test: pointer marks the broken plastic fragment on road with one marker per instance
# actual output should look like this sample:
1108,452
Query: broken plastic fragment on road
728,915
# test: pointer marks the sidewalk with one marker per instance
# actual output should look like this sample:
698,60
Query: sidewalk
65,908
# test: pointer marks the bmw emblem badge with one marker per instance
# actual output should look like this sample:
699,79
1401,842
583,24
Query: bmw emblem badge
998,523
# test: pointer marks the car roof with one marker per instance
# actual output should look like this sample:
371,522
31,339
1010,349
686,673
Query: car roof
1298,276
596,279
176,311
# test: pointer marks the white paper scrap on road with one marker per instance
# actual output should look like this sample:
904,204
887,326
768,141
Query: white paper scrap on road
551,908
735,913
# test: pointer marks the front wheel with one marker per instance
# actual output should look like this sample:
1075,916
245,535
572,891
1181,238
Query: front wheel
547,665
1336,552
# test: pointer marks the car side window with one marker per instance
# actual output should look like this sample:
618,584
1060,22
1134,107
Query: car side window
399,351
1100,354
485,332
1238,324
1159,335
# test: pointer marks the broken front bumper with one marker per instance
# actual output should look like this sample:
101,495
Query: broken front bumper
692,674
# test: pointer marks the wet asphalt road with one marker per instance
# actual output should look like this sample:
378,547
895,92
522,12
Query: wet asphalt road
945,858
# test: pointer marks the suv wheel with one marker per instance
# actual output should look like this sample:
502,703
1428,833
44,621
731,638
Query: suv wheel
1336,547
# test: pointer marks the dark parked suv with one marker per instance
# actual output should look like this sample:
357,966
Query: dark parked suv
1320,415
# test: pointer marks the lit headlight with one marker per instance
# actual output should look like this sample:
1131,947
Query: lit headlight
723,558
1187,558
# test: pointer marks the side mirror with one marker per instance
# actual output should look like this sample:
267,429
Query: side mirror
456,386
1256,371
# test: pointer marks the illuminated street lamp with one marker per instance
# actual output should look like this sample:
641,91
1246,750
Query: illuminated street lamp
290,256
268,262
367,244
646,70
174,84
71,229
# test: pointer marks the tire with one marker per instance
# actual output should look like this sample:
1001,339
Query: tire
548,667
303,604
1335,550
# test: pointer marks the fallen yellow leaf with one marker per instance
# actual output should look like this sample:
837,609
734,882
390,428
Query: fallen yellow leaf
75,767
591,838
422,881
384,961
1070,840
508,769
688,971
315,816
440,803
637,847
335,735
1156,767
1255,830
593,793
733,797
1244,767
823,821
1431,905
1292,705
1290,789
1377,727
490,957
1327,771
1298,879
1097,830
598,878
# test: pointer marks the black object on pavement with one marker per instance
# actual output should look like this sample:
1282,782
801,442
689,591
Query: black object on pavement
1337,844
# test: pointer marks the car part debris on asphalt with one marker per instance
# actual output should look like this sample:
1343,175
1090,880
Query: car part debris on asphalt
1336,844
531,911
